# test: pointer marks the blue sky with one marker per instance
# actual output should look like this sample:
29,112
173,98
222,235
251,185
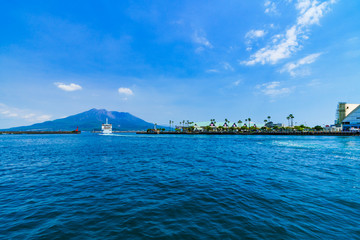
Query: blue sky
179,60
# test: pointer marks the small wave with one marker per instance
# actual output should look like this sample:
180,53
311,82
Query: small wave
293,145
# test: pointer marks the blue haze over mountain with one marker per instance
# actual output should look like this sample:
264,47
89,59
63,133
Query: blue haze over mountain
91,120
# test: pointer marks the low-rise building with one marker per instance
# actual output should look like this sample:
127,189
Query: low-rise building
271,125
332,128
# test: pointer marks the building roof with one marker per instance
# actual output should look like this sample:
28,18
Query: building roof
353,117
218,124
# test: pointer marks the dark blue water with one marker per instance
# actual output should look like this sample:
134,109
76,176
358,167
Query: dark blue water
179,187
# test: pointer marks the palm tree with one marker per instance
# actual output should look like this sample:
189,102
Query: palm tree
249,119
269,118
265,121
170,125
214,122
246,122
288,117
292,117
239,124
227,122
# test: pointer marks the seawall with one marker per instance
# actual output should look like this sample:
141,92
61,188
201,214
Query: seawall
320,133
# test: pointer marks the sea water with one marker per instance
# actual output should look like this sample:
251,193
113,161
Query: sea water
128,186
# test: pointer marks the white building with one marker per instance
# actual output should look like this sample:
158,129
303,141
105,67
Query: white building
348,115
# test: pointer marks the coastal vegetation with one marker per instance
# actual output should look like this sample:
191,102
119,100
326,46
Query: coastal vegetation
248,127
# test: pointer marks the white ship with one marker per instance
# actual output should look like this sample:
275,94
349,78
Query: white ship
106,128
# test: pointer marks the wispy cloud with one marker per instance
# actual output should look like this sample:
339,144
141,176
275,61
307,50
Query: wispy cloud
255,34
284,45
292,67
314,83
222,66
237,82
252,36
212,70
273,89
68,87
199,37
270,7
11,112
227,66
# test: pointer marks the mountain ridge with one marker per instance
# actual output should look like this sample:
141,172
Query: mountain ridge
90,120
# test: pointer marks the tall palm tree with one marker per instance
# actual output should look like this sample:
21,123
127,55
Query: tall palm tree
213,121
268,117
249,119
227,121
265,121
246,122
170,125
292,117
288,117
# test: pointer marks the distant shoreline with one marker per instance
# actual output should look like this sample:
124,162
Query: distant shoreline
130,131
39,132
320,133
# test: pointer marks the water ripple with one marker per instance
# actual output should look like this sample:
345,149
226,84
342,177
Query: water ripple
179,187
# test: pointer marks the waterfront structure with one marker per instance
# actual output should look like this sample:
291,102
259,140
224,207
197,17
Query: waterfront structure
202,126
332,128
348,116
106,128
271,125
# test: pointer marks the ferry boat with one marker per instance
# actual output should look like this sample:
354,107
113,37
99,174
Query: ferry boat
106,128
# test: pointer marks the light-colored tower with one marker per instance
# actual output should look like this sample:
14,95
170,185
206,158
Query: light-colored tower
343,110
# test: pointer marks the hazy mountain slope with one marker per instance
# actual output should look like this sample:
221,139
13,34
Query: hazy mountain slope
91,120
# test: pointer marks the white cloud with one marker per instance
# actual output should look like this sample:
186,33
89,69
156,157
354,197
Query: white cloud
10,112
311,11
69,88
252,36
125,91
291,67
255,34
273,89
199,37
212,71
284,45
43,118
237,82
273,54
270,7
